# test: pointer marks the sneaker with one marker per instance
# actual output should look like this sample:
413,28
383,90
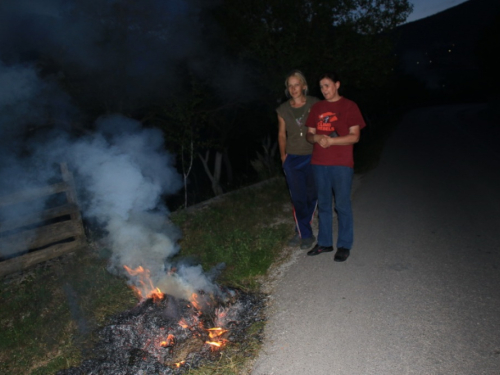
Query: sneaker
294,241
342,254
306,243
316,250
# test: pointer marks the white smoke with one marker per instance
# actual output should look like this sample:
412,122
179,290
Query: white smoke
122,173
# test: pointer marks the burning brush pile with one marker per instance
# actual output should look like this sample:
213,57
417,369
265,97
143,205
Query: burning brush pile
167,335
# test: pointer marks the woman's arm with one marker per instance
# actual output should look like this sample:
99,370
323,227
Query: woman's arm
282,138
313,138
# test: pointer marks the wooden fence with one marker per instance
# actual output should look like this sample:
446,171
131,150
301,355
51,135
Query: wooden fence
39,236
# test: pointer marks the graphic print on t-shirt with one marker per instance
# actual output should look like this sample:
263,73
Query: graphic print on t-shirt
326,121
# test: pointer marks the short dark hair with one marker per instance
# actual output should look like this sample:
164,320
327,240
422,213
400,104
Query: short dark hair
332,75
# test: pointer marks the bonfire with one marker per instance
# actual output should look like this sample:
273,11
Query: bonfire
168,335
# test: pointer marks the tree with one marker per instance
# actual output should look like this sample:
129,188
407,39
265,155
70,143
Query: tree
197,123
348,36
221,129
182,119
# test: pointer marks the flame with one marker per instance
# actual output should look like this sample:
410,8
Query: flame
213,343
195,301
147,289
216,344
216,332
215,337
144,288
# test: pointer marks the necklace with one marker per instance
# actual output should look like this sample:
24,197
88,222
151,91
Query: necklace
300,121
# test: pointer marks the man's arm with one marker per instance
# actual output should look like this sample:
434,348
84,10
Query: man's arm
345,140
349,139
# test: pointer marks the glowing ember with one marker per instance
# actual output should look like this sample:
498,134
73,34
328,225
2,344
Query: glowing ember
145,289
179,364
170,341
171,336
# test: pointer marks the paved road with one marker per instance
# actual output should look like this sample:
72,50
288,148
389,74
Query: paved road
420,293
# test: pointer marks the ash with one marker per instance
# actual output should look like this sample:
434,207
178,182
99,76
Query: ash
170,336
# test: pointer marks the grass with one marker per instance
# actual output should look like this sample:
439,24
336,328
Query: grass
51,312
242,231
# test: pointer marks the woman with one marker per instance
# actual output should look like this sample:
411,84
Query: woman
296,156
334,126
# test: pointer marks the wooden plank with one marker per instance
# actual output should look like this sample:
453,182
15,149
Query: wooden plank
49,237
40,237
52,213
22,262
68,178
31,194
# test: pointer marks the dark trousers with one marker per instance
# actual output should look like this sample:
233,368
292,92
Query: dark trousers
300,179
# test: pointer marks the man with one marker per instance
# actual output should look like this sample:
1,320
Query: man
334,126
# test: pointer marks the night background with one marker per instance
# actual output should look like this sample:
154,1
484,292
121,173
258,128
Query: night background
209,74
159,105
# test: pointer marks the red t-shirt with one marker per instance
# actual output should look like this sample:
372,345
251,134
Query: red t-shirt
326,117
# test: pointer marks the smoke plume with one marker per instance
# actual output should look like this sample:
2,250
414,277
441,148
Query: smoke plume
121,170
111,57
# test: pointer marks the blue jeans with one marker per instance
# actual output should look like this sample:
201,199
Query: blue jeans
336,180
300,180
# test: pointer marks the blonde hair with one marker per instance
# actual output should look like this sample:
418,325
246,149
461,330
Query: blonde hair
296,73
